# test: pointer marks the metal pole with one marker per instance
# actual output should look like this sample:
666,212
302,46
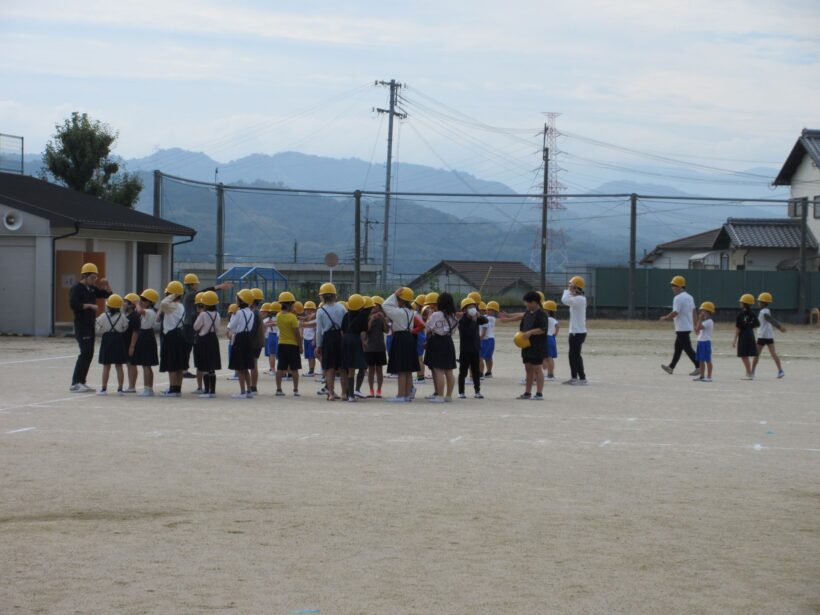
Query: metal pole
158,194
801,306
220,229
357,234
633,221
391,112
544,207
366,229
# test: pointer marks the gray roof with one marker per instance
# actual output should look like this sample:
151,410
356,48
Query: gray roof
763,233
807,144
64,207
700,241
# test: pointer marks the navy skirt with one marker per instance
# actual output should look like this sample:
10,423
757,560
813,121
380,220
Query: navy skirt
145,350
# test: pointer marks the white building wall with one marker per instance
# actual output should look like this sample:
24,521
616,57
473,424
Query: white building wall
674,259
116,263
806,183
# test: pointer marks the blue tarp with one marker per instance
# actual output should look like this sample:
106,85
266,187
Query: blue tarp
270,280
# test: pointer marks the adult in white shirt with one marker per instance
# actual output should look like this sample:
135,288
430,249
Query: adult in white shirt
685,316
574,298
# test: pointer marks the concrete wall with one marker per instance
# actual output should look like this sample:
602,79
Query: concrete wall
806,183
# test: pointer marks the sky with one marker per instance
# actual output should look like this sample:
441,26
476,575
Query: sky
728,84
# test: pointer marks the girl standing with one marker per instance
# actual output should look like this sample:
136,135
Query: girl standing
131,301
173,356
143,349
309,337
375,354
403,360
290,344
765,335
574,298
241,357
329,338
354,326
207,357
551,308
271,335
745,325
441,352
112,324
470,347
487,332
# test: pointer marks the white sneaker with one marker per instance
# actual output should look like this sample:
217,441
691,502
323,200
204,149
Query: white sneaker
707,380
199,391
322,391
572,381
397,399
234,377
694,372
206,395
84,388
171,394
392,377
359,394
435,399
462,396
478,396
549,378
431,396
252,394
239,396
582,382
698,379
308,374
748,377
129,391
120,393
102,392
412,393
146,393
73,388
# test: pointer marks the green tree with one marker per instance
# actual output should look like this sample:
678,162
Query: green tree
79,156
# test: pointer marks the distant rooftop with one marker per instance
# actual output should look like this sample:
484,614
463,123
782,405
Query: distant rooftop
807,144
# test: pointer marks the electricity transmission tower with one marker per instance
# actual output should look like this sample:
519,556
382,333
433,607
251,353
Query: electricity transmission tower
551,188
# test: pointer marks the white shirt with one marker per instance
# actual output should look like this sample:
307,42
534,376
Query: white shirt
206,322
242,321
551,324
489,328
328,317
684,305
309,329
173,313
577,311
707,326
148,318
111,322
270,326
766,331
401,317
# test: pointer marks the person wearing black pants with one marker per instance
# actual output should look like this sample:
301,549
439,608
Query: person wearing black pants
685,317
683,344
83,301
576,361
470,347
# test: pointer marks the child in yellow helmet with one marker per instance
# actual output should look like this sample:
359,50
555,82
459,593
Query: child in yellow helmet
111,324
704,328
745,325
765,335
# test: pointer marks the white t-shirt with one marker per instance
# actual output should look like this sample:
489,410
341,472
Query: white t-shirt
489,328
577,311
551,324
270,326
766,331
684,305
707,326
309,331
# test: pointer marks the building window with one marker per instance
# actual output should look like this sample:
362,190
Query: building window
724,261
817,207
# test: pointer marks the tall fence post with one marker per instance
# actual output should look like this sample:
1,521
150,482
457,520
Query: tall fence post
158,193
220,229
801,306
357,248
633,221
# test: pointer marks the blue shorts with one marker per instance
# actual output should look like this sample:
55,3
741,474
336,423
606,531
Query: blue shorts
310,349
704,352
552,347
271,345
389,342
487,348
420,339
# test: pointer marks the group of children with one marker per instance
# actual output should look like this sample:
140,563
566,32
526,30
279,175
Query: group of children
749,347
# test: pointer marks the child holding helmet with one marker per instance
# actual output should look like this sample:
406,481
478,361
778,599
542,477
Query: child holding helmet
704,328
765,335
574,298
745,325
531,340
112,324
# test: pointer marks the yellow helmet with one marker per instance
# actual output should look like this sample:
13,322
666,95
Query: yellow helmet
467,301
265,307
405,294
210,298
765,297
89,268
368,302
114,301
432,299
232,308
275,307
577,281
550,305
678,280
149,294
747,299
541,295
327,289
378,300
175,288
355,303
257,293
475,296
482,305
521,341
286,297
493,305
420,299
310,305
132,298
190,278
198,298
708,306
245,296
298,307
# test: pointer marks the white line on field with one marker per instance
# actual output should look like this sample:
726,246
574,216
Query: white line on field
605,443
456,439
68,356
21,430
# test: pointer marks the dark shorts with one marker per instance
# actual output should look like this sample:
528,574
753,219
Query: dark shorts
765,341
288,358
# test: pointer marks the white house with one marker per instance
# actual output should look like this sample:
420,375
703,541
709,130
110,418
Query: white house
48,232
801,172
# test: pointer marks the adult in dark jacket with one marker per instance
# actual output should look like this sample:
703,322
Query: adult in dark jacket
83,301
469,356
191,282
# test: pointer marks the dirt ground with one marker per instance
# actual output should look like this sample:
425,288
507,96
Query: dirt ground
642,493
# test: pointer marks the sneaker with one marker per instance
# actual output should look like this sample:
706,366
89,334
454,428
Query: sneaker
252,393
102,392
695,372
549,378
781,373
393,376
206,395
73,388
146,393
322,391
432,396
412,393
571,381
462,396
84,388
522,381
748,377
188,375
478,396
239,395
435,399
270,372
448,399
359,394
397,399
119,393
524,396
698,379
488,375
280,393
707,380
129,391
351,399
199,391
171,394
308,374
667,369
538,397
582,382
234,377
296,394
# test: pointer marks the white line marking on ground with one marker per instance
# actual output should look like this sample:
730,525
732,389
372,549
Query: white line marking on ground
605,443
309,436
456,439
632,419
758,447
68,356
21,430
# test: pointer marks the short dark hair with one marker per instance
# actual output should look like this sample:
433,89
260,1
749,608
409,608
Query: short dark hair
532,297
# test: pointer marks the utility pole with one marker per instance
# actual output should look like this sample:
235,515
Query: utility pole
295,251
357,240
633,262
544,207
158,194
802,292
366,229
220,229
391,113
